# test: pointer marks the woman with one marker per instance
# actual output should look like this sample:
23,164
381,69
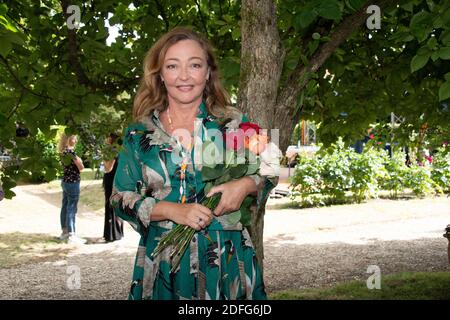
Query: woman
181,91
113,227
70,184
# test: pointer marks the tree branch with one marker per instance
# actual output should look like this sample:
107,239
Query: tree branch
202,19
163,14
17,104
16,78
73,51
301,75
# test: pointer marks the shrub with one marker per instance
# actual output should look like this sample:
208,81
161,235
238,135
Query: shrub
395,179
441,169
367,169
418,179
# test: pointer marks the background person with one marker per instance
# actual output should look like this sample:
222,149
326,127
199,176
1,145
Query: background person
70,184
113,227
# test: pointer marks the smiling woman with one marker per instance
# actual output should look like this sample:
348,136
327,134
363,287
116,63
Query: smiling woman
159,185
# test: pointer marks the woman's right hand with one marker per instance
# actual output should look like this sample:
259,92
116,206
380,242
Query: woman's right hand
194,215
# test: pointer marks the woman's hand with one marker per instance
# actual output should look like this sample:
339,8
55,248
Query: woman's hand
193,215
233,193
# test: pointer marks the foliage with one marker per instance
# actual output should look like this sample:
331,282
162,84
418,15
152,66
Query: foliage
367,169
418,179
441,168
340,175
84,80
400,68
395,180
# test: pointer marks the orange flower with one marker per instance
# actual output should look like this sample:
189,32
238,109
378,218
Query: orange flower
256,143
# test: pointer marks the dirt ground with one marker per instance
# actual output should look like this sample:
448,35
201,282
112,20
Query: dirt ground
304,248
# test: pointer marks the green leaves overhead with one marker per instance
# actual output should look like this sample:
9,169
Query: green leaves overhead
313,9
418,61
421,25
444,91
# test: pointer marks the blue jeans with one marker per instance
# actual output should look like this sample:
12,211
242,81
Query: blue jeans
71,194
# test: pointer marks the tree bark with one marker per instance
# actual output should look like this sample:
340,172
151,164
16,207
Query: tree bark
261,65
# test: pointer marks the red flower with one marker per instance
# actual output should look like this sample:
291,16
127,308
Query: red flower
372,136
247,126
234,139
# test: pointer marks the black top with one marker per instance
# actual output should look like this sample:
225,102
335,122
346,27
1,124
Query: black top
71,172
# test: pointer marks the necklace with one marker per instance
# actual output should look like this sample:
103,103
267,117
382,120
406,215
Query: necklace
169,118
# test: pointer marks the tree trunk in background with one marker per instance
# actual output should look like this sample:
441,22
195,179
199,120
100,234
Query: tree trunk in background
261,65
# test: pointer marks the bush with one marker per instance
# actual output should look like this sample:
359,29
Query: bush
396,169
367,169
329,177
49,165
441,169
418,179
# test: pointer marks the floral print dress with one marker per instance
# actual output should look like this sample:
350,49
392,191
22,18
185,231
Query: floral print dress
220,262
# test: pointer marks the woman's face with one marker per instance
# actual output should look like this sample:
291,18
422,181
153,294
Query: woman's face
184,72
73,141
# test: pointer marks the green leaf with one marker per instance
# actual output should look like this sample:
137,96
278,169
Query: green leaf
435,55
209,173
418,62
432,43
444,53
444,91
447,76
233,217
421,25
330,10
355,4
312,46
224,178
238,171
3,9
304,19
5,48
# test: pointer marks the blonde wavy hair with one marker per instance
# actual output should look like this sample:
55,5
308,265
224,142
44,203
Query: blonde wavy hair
64,142
152,94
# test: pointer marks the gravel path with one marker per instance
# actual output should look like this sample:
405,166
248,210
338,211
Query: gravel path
303,248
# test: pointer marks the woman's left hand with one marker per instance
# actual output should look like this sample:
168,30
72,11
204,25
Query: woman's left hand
233,193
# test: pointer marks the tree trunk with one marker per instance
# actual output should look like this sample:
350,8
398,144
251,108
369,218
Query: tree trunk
261,65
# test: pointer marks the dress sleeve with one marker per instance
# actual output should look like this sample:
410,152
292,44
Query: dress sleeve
128,198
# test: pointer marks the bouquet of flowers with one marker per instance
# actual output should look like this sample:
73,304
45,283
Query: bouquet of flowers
240,158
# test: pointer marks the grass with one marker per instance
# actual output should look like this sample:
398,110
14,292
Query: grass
18,248
400,286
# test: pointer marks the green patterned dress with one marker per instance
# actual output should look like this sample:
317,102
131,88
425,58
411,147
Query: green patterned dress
220,262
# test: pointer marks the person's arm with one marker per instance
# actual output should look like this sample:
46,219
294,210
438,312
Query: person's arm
109,164
79,163
130,202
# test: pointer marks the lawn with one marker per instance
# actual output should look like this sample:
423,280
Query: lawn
400,286
17,248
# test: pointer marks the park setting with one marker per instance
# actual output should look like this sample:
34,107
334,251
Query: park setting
343,106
